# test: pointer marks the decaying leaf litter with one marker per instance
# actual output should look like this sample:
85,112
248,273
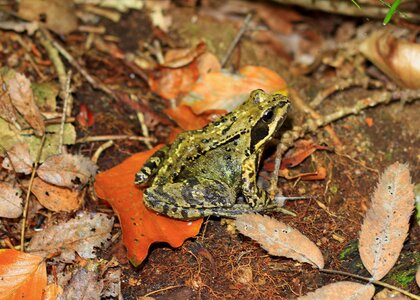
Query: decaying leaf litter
113,61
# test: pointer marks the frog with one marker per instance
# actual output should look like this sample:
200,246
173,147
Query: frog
213,171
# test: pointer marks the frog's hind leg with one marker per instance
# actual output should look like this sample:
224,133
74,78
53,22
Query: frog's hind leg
151,166
189,198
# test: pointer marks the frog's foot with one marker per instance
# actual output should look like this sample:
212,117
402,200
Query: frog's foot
189,213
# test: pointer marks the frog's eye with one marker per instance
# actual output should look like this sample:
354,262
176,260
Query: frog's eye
268,116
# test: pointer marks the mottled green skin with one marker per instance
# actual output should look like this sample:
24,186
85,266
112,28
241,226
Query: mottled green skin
206,171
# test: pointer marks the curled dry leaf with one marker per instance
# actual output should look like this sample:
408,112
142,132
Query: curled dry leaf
397,58
346,290
301,150
140,227
386,223
224,90
20,92
49,10
279,239
67,170
56,198
81,234
7,110
10,201
23,276
19,159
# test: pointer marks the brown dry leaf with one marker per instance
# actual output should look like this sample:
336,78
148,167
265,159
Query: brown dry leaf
386,222
279,239
20,157
84,285
10,201
81,234
20,92
346,289
57,15
56,198
7,110
67,170
23,276
418,276
397,58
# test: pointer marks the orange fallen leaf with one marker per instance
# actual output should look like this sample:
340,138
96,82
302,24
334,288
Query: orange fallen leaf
23,276
169,83
224,90
369,122
320,174
141,227
301,150
188,120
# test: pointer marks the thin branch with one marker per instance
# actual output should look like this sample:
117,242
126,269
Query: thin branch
236,39
28,193
101,138
67,99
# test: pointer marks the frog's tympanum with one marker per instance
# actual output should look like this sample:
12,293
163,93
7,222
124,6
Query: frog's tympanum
213,170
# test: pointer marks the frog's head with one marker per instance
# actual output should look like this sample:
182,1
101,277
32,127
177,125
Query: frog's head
268,112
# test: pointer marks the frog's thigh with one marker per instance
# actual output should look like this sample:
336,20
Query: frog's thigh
195,192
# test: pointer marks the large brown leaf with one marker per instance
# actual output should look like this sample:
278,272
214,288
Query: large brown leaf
141,227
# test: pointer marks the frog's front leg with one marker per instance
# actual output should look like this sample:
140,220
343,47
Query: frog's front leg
151,166
255,196
191,198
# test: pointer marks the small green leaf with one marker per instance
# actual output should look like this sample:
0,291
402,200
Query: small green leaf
391,11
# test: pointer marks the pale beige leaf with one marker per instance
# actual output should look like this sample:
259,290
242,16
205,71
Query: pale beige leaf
10,201
387,294
81,234
84,285
20,92
57,15
418,276
67,170
344,290
21,160
279,239
386,223
397,58
56,198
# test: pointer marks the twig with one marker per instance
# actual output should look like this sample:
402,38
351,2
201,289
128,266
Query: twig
311,125
99,151
67,99
236,39
377,282
144,129
28,193
100,138
161,290
93,81
46,42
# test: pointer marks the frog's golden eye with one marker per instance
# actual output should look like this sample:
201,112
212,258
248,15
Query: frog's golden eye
268,116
